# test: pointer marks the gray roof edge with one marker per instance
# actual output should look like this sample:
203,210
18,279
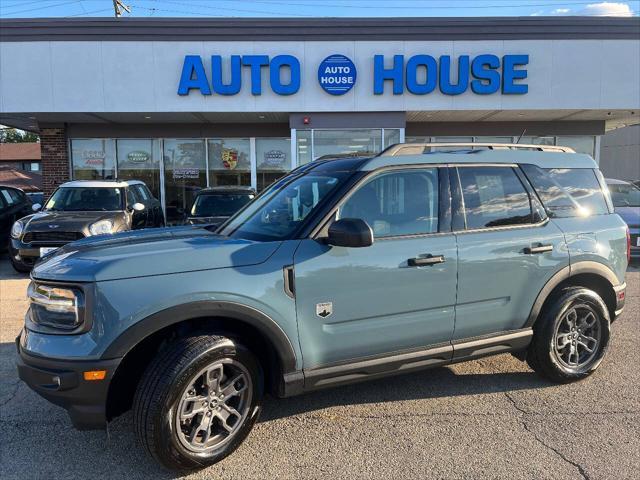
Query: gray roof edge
328,29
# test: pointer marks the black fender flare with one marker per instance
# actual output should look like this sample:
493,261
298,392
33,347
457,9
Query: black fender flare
564,274
136,333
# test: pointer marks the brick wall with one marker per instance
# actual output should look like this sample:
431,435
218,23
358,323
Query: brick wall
55,158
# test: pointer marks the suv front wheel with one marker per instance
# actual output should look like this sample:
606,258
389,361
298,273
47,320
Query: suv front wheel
571,337
197,401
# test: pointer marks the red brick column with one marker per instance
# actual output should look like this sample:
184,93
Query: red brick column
55,158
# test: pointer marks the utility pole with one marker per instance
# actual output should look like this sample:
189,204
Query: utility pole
118,7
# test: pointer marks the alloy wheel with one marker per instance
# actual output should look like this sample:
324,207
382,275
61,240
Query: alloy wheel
577,337
214,405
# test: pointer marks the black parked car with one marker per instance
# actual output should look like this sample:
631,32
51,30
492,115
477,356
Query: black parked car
212,206
14,204
81,209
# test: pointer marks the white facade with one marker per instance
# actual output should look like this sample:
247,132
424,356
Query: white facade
143,76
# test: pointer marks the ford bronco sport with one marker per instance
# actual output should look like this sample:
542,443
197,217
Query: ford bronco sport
344,270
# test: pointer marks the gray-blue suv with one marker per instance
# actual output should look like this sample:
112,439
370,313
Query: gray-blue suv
345,270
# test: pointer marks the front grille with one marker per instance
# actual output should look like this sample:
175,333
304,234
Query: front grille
53,236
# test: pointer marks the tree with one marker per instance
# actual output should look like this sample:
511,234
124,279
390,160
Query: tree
13,135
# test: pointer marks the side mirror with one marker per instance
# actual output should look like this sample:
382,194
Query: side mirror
350,232
138,207
36,207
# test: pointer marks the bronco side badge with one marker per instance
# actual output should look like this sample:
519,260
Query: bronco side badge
324,310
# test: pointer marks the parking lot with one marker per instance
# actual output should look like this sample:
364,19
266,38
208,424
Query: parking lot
492,418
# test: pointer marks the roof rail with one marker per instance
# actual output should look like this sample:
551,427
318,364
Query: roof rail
420,148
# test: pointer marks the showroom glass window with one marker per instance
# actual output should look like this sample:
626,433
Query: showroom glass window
93,159
185,173
229,161
357,142
391,136
304,147
273,160
138,160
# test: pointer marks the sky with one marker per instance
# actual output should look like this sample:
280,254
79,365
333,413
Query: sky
318,8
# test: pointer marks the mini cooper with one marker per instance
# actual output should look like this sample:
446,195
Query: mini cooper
80,209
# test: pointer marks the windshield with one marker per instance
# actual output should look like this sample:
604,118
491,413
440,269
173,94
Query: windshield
624,195
88,199
219,205
283,207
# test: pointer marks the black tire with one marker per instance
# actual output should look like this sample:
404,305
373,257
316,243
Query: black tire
161,389
547,357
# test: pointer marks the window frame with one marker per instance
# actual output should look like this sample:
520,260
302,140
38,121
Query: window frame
459,217
321,229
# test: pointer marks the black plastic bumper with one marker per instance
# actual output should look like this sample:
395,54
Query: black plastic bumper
62,383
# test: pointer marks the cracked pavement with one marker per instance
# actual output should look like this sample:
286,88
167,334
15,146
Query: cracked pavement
491,418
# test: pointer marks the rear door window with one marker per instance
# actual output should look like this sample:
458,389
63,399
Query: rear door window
494,197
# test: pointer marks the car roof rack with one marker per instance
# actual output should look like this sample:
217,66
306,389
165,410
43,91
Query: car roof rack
421,148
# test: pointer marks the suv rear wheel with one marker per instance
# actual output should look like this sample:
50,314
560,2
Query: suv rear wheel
197,401
572,336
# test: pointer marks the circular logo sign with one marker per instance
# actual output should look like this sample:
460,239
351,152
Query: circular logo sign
337,74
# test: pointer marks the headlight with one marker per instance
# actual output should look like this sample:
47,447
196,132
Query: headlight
55,306
17,229
102,227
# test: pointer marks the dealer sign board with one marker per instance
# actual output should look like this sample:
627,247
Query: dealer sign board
420,74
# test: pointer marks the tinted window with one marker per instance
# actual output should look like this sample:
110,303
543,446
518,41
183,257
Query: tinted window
142,193
494,197
583,186
219,205
3,202
397,203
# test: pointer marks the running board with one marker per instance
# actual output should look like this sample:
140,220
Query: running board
405,362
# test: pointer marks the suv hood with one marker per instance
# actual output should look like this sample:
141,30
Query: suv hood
68,221
157,251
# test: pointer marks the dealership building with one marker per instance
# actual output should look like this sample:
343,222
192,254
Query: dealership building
187,103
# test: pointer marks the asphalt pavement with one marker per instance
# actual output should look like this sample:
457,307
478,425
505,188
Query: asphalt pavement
491,418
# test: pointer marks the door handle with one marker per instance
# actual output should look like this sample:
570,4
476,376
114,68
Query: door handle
538,249
426,260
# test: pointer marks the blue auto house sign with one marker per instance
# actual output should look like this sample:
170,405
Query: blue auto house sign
421,74
337,74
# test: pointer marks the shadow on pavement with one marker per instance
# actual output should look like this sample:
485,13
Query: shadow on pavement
441,382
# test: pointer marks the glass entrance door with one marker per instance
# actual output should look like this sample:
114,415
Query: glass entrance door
185,173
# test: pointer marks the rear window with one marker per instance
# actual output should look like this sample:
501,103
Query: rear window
582,184
568,192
